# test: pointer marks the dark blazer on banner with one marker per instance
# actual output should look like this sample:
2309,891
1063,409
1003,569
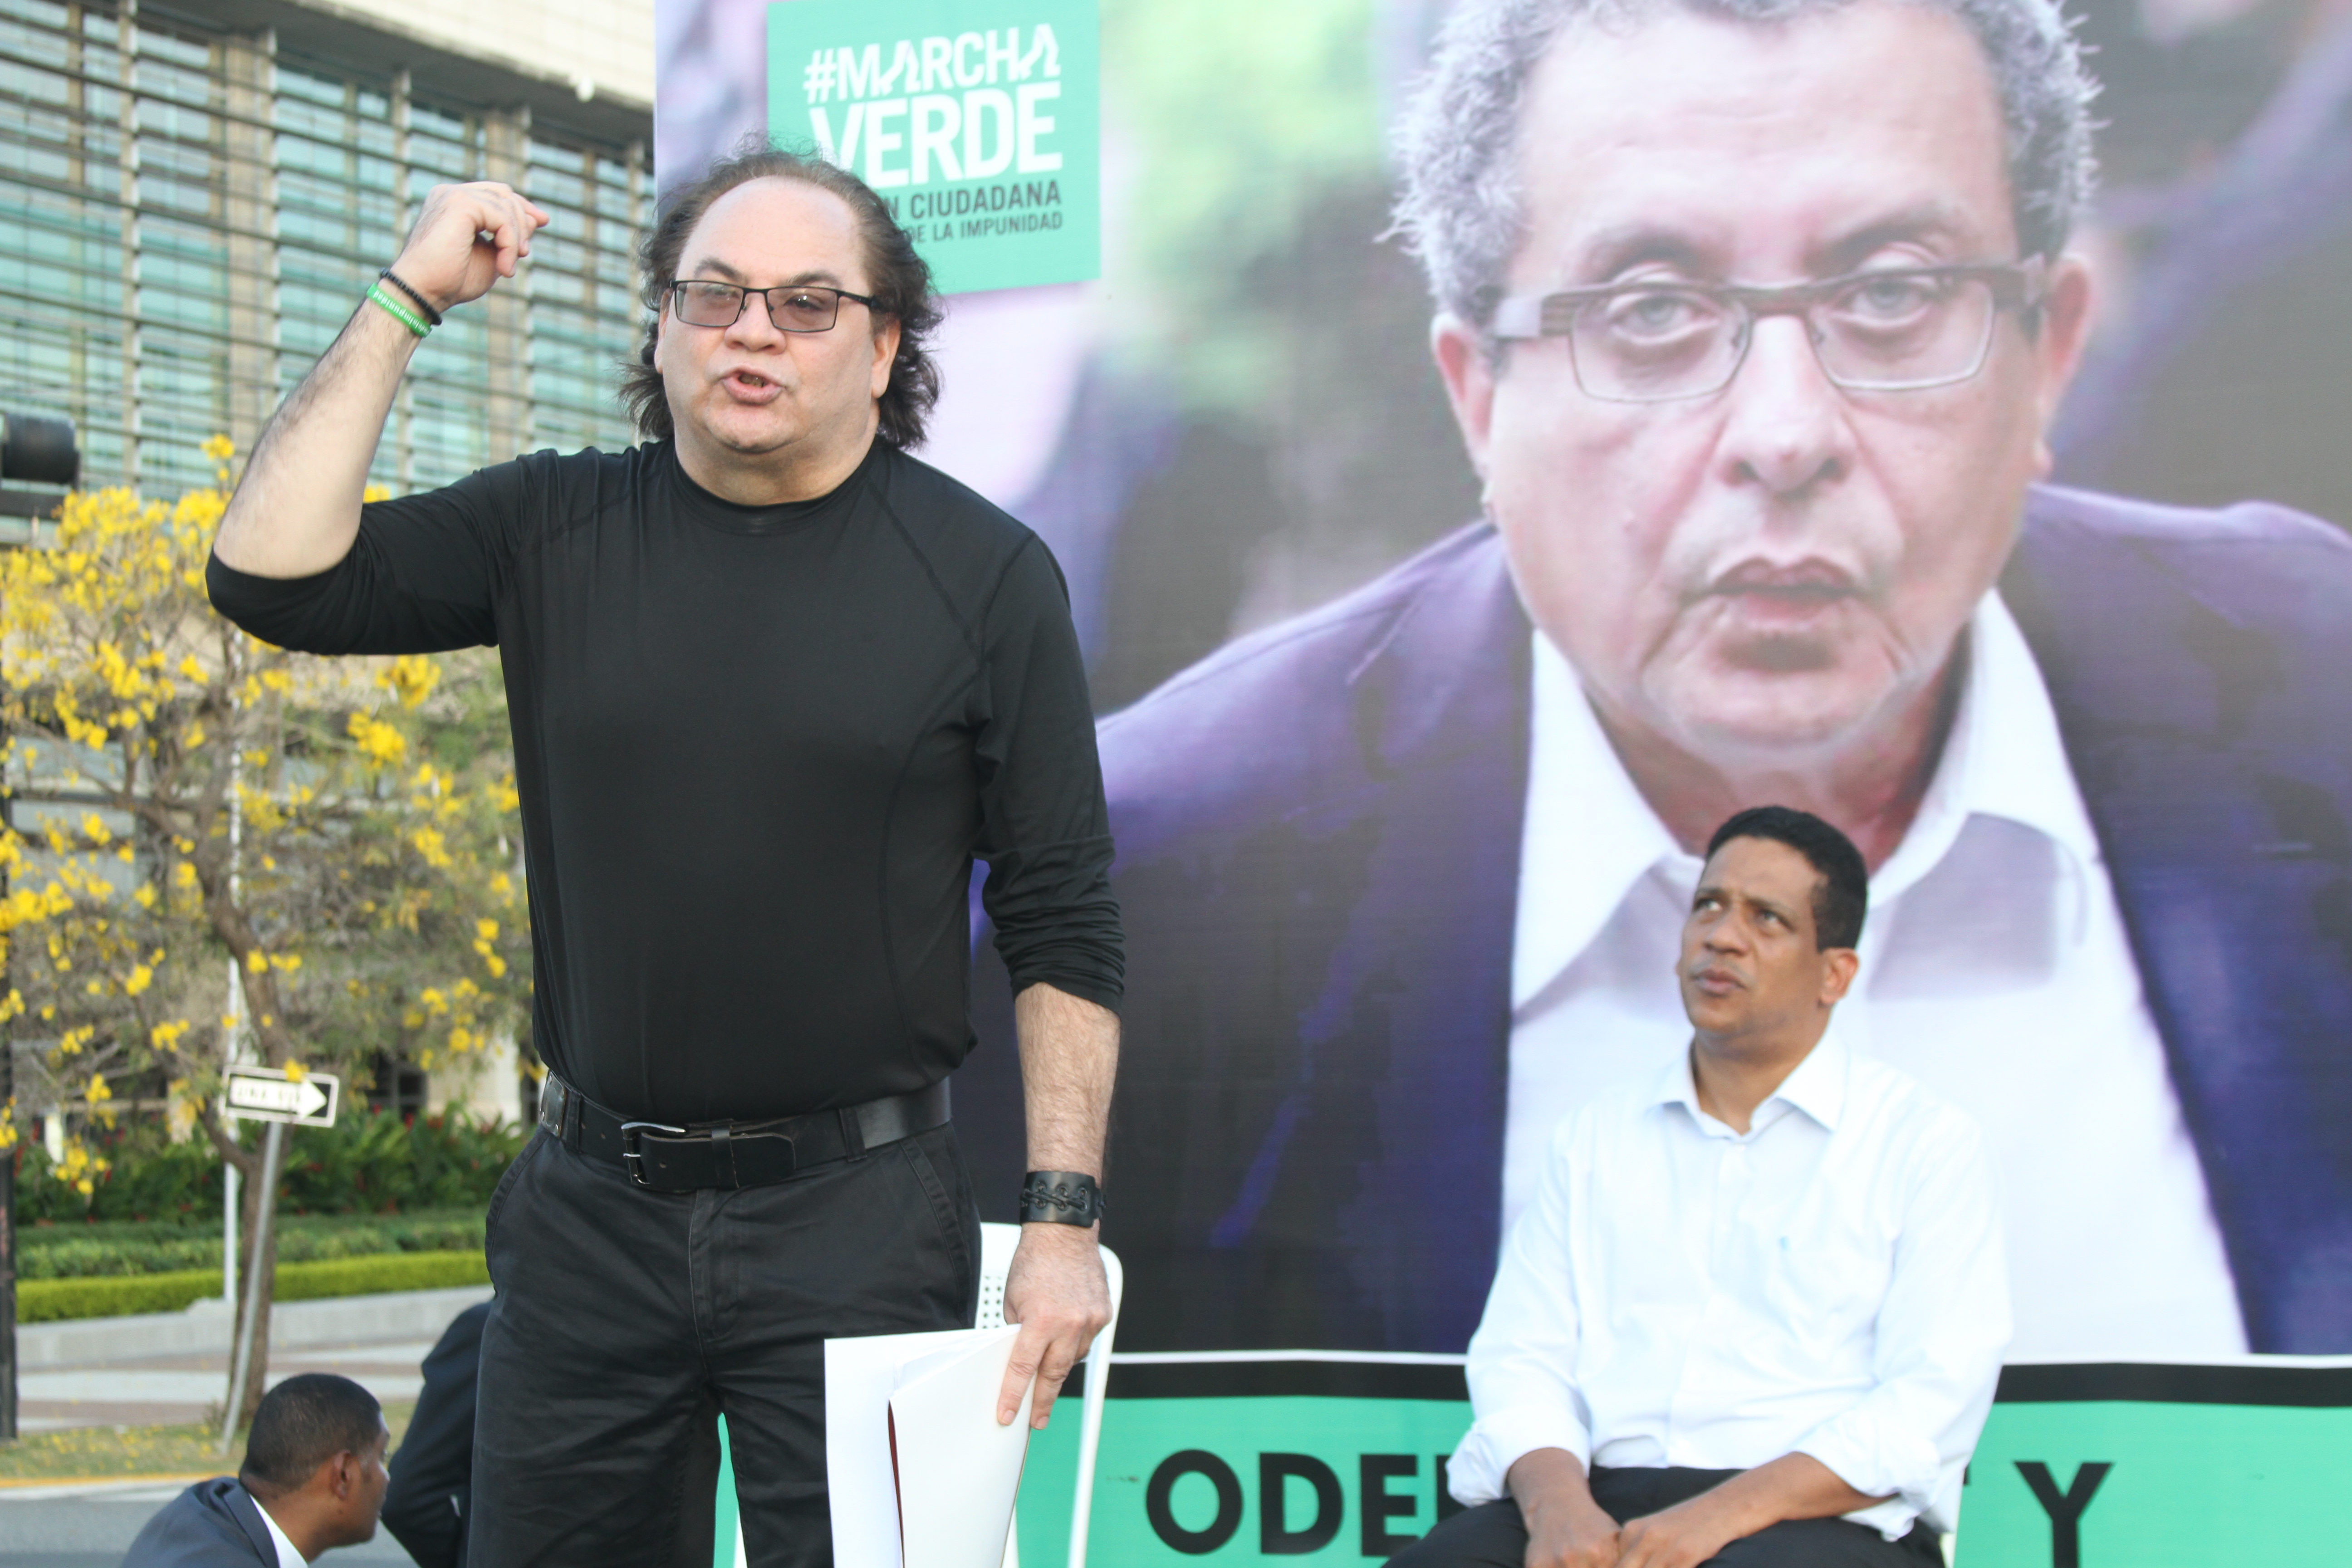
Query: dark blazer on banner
213,1525
1318,835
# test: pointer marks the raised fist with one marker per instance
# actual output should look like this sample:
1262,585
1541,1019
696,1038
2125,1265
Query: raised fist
467,238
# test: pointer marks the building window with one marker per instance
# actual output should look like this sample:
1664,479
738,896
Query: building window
188,217
402,1088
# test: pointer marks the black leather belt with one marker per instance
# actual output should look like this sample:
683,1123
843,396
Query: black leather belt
663,1158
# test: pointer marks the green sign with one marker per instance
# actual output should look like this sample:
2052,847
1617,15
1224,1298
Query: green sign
1333,1479
2162,1466
977,120
1343,1462
1340,1462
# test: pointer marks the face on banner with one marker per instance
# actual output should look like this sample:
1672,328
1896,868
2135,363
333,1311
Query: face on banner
1754,343
1782,564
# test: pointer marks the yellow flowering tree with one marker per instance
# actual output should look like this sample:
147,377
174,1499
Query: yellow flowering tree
223,851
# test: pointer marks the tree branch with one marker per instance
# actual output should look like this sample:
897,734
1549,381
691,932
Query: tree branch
247,1160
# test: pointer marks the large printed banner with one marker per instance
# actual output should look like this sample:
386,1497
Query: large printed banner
1462,511
982,138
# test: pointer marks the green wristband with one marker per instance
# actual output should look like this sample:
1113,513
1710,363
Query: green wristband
402,313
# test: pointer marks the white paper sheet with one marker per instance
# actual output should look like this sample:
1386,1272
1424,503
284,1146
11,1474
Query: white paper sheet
958,1469
939,1373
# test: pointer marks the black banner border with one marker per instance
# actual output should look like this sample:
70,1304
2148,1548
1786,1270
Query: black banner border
1306,1378
2157,1383
2138,1383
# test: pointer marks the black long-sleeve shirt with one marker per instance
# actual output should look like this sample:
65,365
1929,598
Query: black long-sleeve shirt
758,749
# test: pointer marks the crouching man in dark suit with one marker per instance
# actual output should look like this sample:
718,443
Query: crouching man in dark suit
1755,1312
312,1480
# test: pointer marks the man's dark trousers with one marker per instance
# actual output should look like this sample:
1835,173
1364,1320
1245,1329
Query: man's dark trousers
622,1315
1494,1536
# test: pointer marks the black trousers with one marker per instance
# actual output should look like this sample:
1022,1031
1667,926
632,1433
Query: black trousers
625,1320
1492,1535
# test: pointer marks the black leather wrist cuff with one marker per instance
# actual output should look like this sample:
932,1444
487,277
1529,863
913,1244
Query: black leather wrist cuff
1060,1197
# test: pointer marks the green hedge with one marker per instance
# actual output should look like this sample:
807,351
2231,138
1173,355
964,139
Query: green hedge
50,1300
368,1162
369,1276
113,1247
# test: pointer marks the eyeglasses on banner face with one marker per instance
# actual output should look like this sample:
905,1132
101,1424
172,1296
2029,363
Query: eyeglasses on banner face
1888,330
794,307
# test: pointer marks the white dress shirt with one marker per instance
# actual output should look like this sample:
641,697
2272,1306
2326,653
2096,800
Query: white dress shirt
1830,1283
1995,970
288,1557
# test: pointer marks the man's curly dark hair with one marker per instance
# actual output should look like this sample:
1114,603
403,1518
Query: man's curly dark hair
898,280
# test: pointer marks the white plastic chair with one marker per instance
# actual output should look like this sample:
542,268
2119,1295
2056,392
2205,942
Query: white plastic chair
997,1242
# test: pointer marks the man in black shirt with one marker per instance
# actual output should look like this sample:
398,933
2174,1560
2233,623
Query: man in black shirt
774,685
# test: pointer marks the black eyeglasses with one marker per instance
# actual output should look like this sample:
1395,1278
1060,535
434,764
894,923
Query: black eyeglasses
794,308
1893,330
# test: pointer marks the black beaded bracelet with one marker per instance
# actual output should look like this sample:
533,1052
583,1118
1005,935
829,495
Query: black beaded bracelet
1060,1197
432,316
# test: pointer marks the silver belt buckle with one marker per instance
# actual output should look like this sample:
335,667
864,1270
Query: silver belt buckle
632,1160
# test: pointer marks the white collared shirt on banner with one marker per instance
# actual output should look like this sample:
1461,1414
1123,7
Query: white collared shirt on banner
1679,1294
1995,970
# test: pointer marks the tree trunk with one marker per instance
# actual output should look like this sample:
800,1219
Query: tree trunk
254,1274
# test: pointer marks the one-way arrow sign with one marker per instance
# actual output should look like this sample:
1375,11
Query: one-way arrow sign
268,1094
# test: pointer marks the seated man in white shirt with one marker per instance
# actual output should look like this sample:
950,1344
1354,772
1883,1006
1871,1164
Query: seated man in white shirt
1756,1312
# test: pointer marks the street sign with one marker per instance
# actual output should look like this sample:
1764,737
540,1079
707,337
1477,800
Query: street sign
268,1094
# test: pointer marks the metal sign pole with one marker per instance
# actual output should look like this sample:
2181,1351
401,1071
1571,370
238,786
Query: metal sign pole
7,1243
8,1158
228,1229
46,451
233,1016
273,1143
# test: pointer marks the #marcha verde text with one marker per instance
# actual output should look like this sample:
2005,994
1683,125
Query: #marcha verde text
975,134
997,130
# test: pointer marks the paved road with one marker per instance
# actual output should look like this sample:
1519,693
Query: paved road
92,1524
161,1390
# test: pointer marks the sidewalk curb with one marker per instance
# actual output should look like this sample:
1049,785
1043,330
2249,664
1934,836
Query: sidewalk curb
77,1486
206,1327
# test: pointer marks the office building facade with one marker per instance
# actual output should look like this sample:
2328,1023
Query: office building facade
193,199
